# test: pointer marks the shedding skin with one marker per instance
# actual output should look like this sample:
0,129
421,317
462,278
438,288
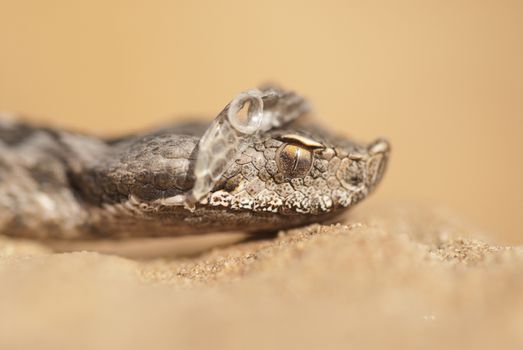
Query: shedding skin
273,170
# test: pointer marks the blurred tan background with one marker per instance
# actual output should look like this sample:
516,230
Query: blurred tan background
443,80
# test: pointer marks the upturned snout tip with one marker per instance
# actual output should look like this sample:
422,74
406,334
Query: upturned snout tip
380,146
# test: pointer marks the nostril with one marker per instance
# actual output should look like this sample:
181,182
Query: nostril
380,146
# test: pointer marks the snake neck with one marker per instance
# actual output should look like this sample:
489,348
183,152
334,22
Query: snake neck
37,198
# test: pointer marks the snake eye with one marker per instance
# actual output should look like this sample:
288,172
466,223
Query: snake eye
294,160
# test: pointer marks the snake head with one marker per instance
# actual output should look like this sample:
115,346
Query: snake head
272,162
295,170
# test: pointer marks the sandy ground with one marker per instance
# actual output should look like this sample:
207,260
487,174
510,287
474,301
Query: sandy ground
390,276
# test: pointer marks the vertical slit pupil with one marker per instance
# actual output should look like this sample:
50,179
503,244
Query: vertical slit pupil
294,161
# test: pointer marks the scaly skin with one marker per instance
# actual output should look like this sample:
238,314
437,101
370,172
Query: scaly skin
59,184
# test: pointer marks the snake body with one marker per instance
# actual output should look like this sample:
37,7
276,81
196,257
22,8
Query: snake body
60,184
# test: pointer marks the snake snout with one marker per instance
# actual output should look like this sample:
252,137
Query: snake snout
379,151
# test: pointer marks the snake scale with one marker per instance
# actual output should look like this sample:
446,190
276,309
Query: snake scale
261,165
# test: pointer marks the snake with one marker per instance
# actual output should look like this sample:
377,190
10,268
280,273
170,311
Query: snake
263,164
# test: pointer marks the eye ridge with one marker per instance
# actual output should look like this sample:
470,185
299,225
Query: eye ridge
304,141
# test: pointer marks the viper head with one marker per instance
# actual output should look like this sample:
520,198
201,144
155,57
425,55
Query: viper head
300,171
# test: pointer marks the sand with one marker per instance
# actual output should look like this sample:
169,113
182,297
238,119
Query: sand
389,276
